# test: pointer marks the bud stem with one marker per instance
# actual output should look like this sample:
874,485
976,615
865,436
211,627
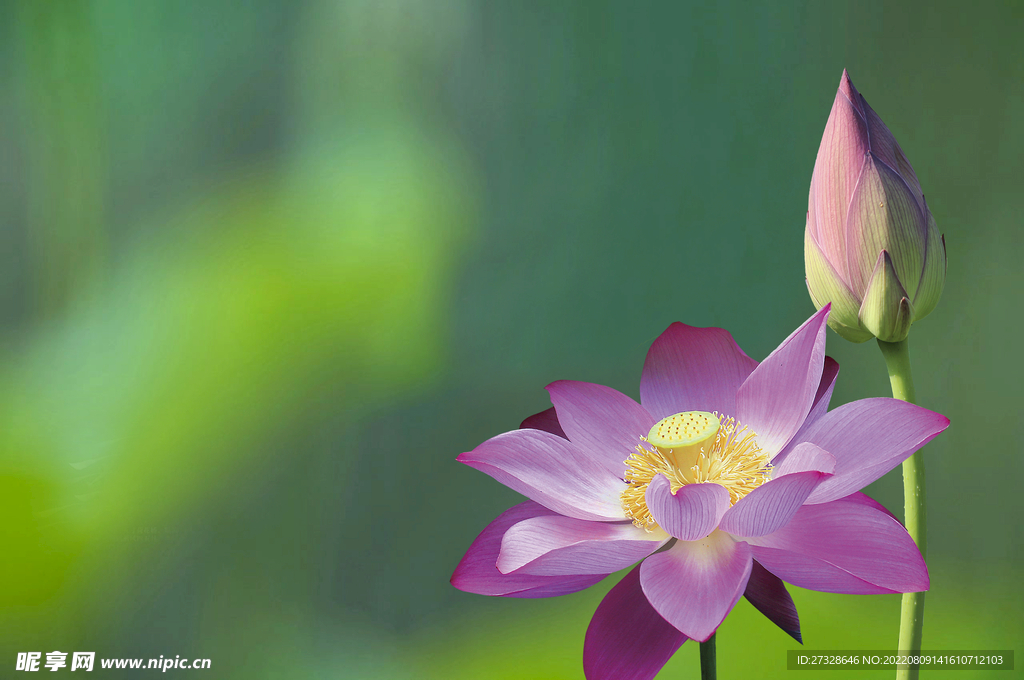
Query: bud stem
897,360
708,670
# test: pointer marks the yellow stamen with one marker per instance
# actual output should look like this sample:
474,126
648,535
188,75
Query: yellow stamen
691,448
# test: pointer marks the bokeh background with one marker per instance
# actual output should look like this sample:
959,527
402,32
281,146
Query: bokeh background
266,268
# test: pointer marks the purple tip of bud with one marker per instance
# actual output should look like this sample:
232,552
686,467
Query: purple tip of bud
847,89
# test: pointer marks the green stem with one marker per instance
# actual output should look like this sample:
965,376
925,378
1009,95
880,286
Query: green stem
707,659
897,360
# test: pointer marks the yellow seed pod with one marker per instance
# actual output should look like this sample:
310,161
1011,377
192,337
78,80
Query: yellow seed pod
680,437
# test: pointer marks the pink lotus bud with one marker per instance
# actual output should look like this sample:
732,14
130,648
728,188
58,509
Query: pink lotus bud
871,247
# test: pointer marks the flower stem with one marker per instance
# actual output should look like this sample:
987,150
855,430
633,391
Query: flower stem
707,659
897,360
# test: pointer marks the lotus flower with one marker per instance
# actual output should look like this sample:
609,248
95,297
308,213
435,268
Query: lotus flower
871,247
727,478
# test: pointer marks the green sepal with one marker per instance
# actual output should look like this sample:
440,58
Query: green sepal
886,310
825,285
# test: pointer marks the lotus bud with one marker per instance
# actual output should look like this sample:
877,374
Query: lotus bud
871,246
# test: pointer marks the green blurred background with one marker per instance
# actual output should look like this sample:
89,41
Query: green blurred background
266,268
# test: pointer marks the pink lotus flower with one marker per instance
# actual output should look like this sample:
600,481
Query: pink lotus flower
729,477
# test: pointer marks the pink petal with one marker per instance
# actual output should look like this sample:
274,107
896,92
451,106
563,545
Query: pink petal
868,438
888,149
884,215
819,408
770,506
836,170
775,399
477,572
692,513
829,373
842,547
600,421
563,546
864,499
812,573
693,369
769,596
551,471
803,457
695,584
545,420
627,639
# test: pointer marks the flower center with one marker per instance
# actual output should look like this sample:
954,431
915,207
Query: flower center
691,448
